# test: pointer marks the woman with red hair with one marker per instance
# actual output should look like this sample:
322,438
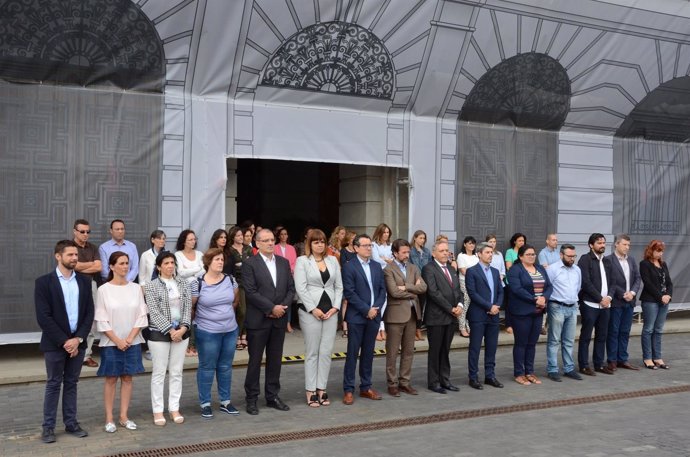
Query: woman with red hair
655,297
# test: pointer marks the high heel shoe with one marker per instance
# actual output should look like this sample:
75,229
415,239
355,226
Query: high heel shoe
176,417
158,419
312,400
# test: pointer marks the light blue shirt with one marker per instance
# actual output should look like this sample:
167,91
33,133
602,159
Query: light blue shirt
548,256
498,263
402,267
367,273
106,249
70,291
566,282
490,279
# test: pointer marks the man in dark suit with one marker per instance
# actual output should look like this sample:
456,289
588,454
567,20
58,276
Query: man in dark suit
269,290
595,305
365,291
444,302
404,285
64,311
626,276
483,284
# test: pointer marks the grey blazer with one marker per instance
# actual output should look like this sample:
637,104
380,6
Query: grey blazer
309,285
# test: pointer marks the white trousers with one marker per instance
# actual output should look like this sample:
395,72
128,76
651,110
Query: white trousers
167,357
319,337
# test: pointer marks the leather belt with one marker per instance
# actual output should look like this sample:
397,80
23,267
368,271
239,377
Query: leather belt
567,305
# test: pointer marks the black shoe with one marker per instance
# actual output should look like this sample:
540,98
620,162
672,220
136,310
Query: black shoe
573,375
48,435
493,382
251,408
452,388
604,369
437,389
206,412
476,384
555,377
77,431
278,404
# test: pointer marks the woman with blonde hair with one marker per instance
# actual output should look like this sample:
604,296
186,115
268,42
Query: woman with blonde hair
335,244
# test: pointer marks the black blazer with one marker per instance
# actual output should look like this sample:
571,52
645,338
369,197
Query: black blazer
262,295
441,298
51,313
619,281
651,291
591,277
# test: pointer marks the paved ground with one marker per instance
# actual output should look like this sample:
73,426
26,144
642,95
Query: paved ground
649,424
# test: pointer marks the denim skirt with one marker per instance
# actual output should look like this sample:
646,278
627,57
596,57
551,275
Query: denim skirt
115,362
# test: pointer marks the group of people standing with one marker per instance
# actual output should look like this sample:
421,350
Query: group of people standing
239,294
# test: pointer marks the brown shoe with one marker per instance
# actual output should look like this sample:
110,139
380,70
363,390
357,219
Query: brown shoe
611,366
394,391
90,363
348,398
588,371
371,394
408,390
604,369
628,366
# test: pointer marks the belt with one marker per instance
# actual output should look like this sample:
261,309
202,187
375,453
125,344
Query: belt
567,305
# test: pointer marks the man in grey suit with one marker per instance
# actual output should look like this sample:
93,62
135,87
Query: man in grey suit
269,289
626,275
404,285
444,302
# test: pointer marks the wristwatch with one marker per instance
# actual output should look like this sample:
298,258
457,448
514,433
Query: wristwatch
81,340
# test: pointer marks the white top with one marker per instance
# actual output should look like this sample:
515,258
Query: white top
604,284
120,309
147,263
381,251
271,265
188,269
466,261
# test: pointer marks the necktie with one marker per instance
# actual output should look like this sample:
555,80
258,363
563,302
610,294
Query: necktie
445,270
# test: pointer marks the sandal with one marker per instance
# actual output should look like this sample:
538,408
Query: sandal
158,419
313,400
323,397
176,417
345,333
239,346
533,379
522,380
509,330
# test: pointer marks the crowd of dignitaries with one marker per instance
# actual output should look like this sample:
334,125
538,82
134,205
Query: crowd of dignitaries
238,294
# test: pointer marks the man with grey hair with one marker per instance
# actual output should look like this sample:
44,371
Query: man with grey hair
626,274
483,284
444,302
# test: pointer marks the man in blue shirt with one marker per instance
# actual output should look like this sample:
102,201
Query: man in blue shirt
64,311
566,279
118,243
549,255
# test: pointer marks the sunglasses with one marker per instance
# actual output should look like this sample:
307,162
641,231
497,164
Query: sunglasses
83,232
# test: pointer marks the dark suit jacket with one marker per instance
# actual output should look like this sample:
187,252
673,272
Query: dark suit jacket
441,297
591,277
651,291
480,293
398,309
522,289
357,292
51,313
619,281
262,295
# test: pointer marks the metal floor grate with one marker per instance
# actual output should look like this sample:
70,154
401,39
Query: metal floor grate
260,440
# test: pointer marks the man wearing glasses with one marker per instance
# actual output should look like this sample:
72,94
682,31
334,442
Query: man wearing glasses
566,279
89,263
269,290
365,291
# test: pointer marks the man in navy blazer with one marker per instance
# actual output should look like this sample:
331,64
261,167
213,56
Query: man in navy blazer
365,291
64,311
269,290
483,284
626,276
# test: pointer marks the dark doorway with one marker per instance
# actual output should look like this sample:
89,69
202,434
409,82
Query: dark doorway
289,193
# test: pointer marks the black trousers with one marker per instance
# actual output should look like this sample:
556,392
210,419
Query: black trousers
271,340
598,320
62,373
440,337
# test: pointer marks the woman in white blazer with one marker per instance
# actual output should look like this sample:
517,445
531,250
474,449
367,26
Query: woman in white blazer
320,289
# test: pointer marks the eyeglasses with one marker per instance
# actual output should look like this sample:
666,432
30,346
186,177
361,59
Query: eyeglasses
530,255
269,240
365,246
83,232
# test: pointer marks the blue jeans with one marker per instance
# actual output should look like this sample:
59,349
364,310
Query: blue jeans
562,322
216,353
654,318
619,334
